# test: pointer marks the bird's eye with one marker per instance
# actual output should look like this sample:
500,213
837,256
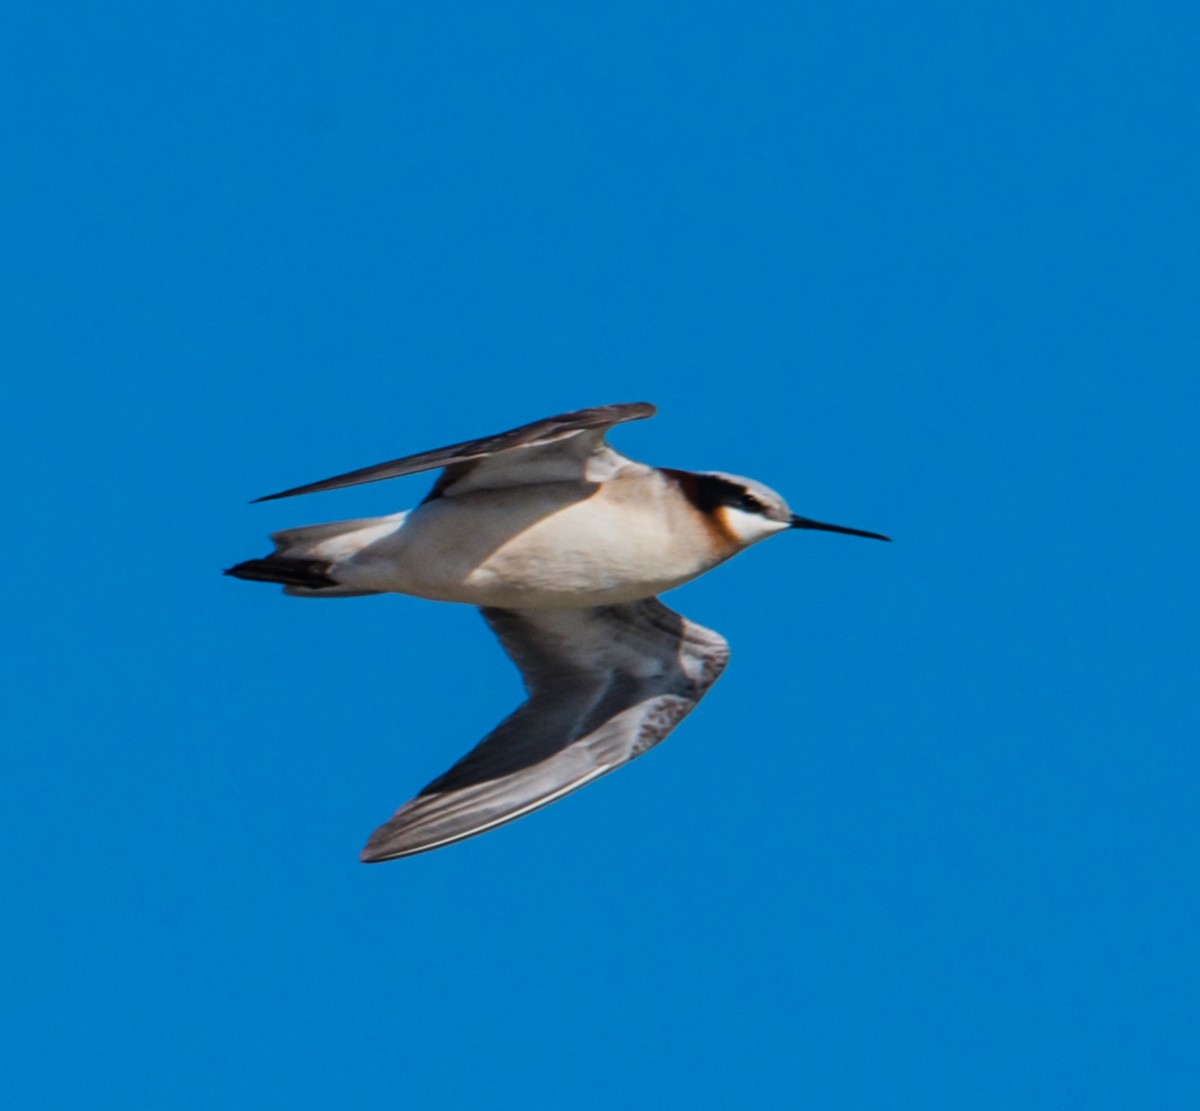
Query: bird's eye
750,503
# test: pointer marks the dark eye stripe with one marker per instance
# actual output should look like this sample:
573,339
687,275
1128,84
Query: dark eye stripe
707,492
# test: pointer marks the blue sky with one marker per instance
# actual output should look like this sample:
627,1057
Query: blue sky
929,269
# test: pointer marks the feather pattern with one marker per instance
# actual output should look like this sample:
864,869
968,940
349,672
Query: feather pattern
605,685
461,458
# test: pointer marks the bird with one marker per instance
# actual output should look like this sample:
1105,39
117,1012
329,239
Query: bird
564,544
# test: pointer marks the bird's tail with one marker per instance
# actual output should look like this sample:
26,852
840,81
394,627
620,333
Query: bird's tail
305,560
308,574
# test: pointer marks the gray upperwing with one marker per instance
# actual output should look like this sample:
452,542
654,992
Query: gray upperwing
605,685
536,435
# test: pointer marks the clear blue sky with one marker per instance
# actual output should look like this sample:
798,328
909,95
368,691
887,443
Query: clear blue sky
929,269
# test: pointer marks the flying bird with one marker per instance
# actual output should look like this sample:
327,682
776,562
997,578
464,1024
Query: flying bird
564,544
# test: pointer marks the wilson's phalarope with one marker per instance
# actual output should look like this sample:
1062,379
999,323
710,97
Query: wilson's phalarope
564,544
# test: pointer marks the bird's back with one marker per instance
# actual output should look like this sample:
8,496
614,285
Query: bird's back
547,546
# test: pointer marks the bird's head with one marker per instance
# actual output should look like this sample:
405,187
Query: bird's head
747,511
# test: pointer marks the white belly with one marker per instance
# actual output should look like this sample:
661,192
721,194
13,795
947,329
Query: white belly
533,547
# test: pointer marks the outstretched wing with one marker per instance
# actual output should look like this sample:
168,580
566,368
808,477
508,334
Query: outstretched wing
465,457
605,685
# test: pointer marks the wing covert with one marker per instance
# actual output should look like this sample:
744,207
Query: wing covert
605,685
539,434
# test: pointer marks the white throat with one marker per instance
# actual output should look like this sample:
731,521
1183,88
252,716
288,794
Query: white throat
749,528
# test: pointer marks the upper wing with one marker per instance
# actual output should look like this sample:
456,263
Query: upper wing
605,685
466,456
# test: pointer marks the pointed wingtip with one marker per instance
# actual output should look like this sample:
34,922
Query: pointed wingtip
378,848
375,853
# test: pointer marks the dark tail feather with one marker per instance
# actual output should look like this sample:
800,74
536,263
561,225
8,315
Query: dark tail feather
312,574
